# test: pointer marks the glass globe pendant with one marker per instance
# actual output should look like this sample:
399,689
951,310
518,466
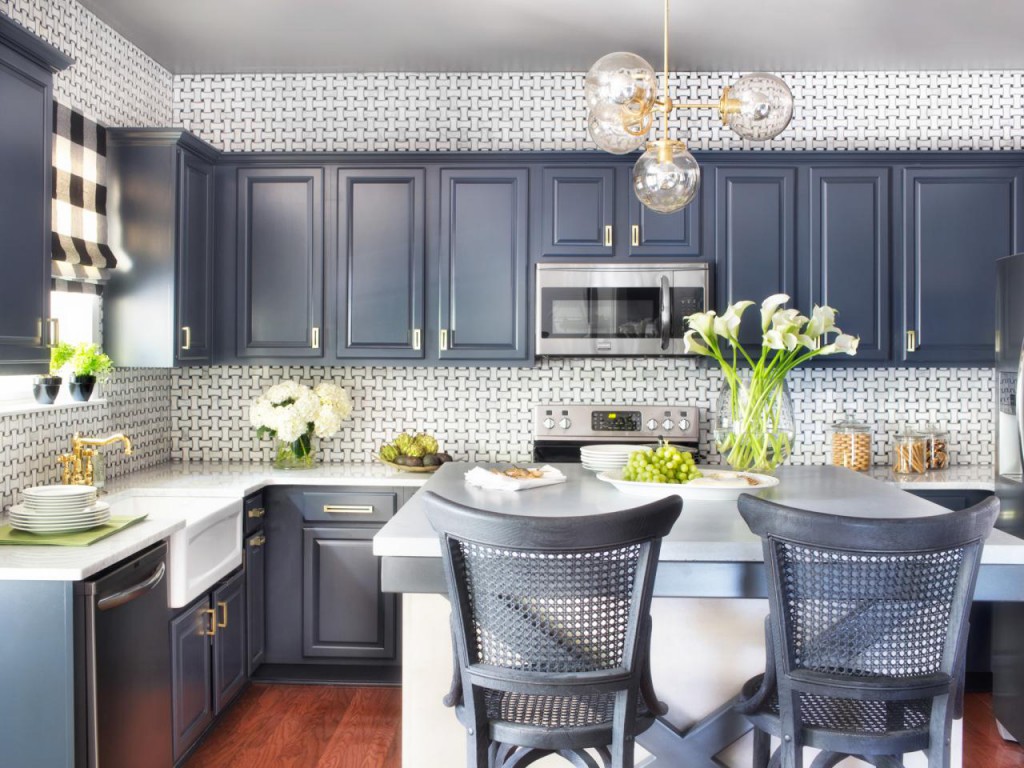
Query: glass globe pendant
666,177
758,106
620,90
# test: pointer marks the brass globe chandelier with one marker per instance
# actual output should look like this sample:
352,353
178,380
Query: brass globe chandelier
622,102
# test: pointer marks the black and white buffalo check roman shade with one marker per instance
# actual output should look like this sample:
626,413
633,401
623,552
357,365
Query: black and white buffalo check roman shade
81,258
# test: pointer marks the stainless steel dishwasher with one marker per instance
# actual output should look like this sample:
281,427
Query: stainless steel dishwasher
123,696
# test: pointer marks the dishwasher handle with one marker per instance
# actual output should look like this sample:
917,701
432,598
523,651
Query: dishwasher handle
127,595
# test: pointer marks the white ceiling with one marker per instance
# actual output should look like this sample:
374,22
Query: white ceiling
219,36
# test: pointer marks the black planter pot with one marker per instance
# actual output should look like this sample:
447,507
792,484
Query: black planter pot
81,387
45,389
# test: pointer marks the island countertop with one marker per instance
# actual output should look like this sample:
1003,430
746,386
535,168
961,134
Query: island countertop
707,532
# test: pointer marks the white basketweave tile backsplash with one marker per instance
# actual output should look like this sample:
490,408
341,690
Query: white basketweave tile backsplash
485,414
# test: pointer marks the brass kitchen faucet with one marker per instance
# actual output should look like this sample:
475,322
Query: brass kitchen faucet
77,468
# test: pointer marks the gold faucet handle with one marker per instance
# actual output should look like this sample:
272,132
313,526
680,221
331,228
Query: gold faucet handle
67,461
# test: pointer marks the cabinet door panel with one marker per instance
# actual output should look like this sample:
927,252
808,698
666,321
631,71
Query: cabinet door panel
190,677
345,614
25,136
577,205
381,253
230,652
958,222
255,599
755,211
850,252
653,234
195,260
483,266
280,237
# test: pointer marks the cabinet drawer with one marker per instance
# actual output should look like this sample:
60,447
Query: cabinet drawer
253,512
349,506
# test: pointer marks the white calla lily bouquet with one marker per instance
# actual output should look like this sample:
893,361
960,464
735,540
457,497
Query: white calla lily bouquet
757,437
293,413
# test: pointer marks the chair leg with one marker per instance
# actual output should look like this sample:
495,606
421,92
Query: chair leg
940,733
828,760
762,748
478,750
791,755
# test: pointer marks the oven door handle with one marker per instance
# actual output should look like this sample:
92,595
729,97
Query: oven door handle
666,314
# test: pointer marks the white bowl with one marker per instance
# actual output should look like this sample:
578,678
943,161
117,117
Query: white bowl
720,485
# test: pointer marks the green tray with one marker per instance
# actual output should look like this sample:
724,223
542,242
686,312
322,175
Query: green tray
76,539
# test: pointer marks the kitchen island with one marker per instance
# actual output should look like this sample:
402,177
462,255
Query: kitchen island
708,611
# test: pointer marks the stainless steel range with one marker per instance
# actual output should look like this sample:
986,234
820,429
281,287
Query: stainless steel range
560,430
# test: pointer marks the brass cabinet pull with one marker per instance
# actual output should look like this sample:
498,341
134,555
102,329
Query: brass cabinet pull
257,512
187,343
348,509
608,235
911,341
316,337
212,629
442,340
258,541
635,239
54,325
416,339
223,614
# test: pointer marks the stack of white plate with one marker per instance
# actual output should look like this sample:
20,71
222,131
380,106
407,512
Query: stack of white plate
59,508
599,458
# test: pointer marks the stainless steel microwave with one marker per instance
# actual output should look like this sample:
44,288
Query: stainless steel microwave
617,309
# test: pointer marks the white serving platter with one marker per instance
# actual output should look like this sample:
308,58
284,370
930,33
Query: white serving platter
55,492
716,485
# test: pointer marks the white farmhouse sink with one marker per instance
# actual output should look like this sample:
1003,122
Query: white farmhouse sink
204,551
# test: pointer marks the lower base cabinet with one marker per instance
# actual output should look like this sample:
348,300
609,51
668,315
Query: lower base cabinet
209,660
255,598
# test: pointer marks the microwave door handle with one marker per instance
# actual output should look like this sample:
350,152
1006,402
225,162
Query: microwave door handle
666,314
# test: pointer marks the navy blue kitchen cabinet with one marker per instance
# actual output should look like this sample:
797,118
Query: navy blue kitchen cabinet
254,509
158,309
381,249
655,235
280,271
849,264
755,238
482,282
957,222
208,661
577,212
27,65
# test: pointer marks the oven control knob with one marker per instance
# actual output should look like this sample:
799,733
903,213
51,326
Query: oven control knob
564,422
652,424
684,424
667,424
549,423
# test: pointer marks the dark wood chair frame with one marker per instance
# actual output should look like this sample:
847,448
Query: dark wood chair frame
966,529
512,745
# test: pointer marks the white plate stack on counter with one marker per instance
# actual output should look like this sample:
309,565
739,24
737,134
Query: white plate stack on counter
59,509
598,458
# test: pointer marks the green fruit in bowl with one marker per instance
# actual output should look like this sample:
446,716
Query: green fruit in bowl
403,443
427,442
389,453
415,451
432,460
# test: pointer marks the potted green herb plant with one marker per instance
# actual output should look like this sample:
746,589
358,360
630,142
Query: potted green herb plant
46,388
89,365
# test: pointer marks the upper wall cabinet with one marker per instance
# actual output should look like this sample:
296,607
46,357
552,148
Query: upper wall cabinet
483,263
849,265
158,307
27,65
280,275
755,238
591,211
381,262
957,222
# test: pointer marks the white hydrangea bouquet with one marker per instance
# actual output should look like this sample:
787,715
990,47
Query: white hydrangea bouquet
754,423
293,414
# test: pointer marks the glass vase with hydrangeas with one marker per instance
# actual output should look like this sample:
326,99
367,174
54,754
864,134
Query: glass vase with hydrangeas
293,414
755,428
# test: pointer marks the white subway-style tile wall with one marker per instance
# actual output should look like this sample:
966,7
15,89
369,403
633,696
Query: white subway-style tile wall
485,414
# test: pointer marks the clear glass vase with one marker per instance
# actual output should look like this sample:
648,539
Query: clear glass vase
300,454
755,429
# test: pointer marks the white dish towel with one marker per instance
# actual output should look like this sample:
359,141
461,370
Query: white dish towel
484,478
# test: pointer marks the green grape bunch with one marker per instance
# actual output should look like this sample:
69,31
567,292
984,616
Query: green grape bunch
665,464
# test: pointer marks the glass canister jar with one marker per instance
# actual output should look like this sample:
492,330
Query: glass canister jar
851,444
908,454
936,446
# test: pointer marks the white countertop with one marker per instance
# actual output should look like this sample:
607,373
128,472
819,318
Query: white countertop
223,480
969,477
706,531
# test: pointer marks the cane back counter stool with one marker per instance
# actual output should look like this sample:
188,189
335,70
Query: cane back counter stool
866,633
551,630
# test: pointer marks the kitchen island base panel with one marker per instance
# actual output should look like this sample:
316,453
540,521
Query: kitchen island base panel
702,651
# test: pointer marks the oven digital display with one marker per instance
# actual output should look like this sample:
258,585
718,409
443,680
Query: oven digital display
615,421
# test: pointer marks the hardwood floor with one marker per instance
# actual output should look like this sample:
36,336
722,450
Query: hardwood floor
320,726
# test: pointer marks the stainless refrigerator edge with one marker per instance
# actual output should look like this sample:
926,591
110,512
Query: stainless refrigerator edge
1008,618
